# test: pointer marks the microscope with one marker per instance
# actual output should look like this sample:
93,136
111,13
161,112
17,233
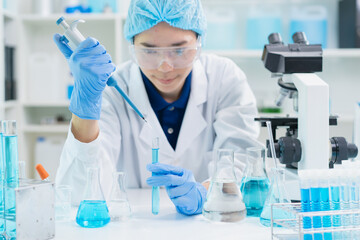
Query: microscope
306,144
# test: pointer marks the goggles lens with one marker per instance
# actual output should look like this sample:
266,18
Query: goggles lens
154,57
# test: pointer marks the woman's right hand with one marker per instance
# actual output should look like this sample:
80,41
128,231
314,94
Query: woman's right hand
91,67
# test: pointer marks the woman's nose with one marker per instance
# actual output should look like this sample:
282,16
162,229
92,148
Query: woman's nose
165,66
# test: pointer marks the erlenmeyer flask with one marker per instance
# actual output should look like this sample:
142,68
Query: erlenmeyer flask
224,201
255,184
277,194
119,206
93,211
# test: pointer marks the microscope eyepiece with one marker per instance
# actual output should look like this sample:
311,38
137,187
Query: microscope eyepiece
300,37
275,38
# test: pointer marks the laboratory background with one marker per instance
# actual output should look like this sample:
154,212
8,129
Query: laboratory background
36,82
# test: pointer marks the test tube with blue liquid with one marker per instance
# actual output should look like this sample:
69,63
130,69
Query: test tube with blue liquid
2,180
10,141
305,200
325,202
315,204
155,203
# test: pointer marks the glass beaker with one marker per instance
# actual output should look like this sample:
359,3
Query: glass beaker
276,194
119,206
63,203
255,184
93,211
224,201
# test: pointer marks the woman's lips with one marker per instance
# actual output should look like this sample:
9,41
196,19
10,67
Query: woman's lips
166,81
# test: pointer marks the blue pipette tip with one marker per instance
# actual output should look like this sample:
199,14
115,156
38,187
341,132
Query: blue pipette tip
60,20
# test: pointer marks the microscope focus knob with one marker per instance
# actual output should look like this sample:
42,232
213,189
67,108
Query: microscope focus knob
342,150
290,150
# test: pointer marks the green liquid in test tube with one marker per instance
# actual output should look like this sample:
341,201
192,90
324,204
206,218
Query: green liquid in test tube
155,190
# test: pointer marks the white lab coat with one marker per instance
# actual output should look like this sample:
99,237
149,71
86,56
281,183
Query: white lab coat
219,114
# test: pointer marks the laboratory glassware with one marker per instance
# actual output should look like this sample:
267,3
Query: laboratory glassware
155,199
74,38
119,207
11,174
255,184
276,194
93,211
2,183
224,202
63,203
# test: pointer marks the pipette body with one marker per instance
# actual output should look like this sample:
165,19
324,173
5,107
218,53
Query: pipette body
73,37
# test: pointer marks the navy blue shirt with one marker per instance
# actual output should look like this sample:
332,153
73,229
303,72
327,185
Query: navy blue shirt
170,115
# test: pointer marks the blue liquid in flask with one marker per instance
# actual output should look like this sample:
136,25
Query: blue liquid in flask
335,205
93,214
254,191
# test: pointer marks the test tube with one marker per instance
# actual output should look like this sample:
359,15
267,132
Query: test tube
155,190
304,178
315,202
354,203
325,202
335,202
345,200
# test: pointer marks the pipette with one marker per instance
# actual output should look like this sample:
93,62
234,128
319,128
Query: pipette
73,37
272,145
155,190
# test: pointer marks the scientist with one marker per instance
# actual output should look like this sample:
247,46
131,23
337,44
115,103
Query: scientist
194,103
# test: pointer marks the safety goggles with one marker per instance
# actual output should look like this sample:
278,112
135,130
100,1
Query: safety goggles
176,57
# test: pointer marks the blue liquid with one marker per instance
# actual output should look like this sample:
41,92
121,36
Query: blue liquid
254,192
92,214
335,205
2,178
325,206
155,198
305,207
11,182
316,206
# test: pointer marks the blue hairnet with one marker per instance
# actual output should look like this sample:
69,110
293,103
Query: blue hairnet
184,14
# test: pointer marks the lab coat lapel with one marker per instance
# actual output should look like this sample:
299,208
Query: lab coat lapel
138,95
193,122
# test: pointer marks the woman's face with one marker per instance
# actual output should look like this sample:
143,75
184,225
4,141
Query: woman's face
167,80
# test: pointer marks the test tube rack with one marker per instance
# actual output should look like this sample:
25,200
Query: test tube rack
292,227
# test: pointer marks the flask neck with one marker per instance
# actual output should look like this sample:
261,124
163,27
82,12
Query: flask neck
93,189
224,168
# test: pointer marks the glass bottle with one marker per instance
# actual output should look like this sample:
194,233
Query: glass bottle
255,184
119,206
224,201
93,211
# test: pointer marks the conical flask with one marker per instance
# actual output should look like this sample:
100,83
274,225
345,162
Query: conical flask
224,201
277,194
255,184
119,206
93,211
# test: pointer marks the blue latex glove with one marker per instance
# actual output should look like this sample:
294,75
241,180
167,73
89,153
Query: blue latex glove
91,67
187,195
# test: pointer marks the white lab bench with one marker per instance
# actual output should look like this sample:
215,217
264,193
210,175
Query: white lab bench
168,224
